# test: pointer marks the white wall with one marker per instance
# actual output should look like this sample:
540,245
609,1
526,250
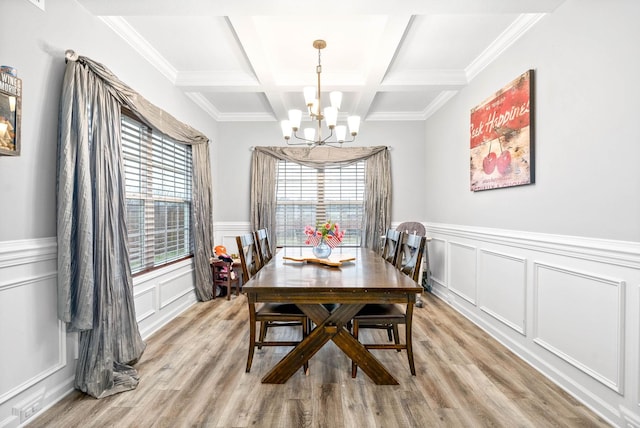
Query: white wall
38,355
552,269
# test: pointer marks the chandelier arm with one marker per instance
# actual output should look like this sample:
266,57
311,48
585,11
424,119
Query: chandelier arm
306,141
328,136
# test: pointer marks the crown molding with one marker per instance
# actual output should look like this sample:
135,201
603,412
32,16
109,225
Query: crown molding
438,102
204,104
508,37
122,28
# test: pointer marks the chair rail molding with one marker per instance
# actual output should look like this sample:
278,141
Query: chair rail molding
224,233
28,251
623,253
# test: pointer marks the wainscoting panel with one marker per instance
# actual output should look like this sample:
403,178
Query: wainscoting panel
580,318
36,332
572,305
146,302
437,260
163,294
462,271
37,353
175,287
502,283
225,234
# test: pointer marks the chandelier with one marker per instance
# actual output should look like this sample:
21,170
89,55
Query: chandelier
312,96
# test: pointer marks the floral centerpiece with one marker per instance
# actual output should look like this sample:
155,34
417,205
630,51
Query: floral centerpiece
323,238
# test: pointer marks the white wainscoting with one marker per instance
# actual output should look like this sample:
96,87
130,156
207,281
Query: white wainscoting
463,282
224,233
570,306
575,297
163,294
502,280
35,357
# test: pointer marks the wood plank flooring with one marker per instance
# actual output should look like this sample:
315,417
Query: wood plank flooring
192,375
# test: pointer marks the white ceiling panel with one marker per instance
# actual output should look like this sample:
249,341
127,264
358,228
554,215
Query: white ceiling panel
248,60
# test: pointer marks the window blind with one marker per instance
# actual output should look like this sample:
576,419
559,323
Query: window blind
158,196
308,196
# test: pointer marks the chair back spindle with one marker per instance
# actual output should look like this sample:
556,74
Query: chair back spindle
409,258
391,245
249,257
263,245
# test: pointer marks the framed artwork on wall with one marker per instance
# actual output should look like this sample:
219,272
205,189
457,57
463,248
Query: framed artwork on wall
502,138
10,114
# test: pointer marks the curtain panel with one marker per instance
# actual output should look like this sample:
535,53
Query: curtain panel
264,166
95,286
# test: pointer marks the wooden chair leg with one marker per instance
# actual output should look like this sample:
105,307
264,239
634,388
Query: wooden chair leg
409,342
263,332
228,291
396,335
252,335
305,332
354,366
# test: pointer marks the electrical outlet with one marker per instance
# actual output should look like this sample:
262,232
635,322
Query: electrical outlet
39,3
29,407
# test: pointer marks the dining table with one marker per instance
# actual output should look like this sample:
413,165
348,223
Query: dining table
331,296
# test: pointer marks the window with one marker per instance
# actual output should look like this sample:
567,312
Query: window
158,196
306,196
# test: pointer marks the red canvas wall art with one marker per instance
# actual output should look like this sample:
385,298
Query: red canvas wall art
502,137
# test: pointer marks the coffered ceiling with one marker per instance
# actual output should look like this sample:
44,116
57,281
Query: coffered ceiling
247,60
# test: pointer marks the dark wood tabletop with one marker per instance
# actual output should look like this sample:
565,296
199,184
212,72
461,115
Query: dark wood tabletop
367,279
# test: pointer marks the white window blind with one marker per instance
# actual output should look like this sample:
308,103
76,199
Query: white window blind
308,196
158,196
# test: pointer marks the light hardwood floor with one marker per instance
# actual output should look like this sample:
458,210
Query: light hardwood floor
192,375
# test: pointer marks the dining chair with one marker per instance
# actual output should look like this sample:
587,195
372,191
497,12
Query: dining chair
412,227
267,314
390,247
415,227
263,245
224,276
389,316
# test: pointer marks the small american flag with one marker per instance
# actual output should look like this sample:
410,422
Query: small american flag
312,240
332,241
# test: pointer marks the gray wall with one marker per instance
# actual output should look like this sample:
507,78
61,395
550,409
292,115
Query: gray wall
232,164
34,43
586,61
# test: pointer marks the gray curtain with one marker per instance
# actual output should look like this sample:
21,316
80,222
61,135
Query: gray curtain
95,287
264,164
263,193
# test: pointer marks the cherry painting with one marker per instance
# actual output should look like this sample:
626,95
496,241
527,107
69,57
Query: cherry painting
502,137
